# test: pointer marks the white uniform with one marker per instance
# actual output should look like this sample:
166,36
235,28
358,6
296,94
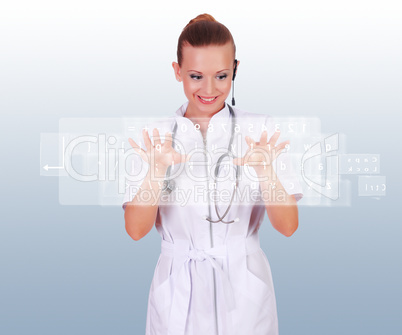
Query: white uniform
213,278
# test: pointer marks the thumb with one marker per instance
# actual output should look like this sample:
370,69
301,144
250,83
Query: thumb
186,158
238,161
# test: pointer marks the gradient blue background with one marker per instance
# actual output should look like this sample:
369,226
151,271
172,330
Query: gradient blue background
74,270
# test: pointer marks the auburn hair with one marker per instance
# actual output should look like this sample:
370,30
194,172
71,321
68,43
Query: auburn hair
201,31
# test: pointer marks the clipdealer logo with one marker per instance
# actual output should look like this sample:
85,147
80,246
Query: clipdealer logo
112,163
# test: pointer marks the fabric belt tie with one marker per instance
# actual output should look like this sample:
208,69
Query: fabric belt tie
183,286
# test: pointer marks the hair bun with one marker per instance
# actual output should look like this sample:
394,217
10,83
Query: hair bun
202,31
201,17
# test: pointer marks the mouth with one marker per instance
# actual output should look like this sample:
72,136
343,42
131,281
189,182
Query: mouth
206,100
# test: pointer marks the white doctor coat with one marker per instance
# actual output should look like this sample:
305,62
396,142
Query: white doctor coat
212,278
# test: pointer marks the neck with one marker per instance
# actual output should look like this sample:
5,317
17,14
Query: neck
196,115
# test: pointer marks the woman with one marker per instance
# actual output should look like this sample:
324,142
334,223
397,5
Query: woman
212,277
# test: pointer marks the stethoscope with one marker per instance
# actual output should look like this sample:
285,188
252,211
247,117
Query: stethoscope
169,185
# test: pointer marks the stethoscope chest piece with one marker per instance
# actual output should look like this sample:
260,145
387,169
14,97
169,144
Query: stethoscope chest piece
168,186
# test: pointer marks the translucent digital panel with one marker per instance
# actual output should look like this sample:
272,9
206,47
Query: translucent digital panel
374,186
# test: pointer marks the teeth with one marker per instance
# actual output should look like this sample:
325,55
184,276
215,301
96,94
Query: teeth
207,99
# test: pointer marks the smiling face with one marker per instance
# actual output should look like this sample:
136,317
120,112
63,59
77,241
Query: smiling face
206,73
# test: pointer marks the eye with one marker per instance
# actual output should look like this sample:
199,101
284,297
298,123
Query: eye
195,77
222,76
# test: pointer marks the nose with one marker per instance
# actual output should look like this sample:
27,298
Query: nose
209,88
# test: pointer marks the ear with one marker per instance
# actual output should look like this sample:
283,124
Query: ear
176,69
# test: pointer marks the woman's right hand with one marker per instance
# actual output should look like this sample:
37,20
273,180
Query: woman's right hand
162,155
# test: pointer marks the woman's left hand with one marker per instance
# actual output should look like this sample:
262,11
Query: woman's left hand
260,155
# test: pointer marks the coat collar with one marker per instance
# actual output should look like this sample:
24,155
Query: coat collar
221,116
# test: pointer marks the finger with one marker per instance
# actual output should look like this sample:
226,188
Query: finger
185,158
264,137
156,137
250,142
168,140
133,144
138,149
274,138
136,146
279,148
282,145
147,140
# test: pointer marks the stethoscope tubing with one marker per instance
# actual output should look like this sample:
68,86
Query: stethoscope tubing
168,187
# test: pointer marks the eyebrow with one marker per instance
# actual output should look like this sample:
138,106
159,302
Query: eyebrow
201,72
